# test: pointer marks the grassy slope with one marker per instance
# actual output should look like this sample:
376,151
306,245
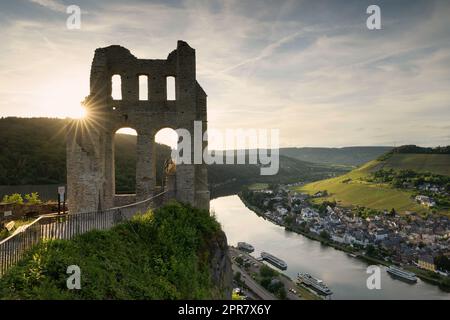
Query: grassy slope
379,196
434,163
154,256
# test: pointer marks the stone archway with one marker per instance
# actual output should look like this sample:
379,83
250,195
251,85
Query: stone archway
90,150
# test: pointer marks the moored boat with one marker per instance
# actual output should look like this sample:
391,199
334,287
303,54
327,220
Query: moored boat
402,274
280,264
314,283
244,246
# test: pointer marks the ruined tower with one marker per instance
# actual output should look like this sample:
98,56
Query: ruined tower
90,143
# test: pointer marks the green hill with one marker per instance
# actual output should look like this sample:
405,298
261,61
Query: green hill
348,156
169,254
33,152
361,187
223,177
434,163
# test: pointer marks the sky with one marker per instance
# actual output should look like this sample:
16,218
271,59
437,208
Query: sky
311,69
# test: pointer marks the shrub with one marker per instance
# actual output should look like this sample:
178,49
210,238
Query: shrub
325,235
14,198
160,255
267,272
237,277
236,296
239,261
33,198
3,233
446,283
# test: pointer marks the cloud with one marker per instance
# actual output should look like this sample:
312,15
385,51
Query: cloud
51,4
267,51
312,70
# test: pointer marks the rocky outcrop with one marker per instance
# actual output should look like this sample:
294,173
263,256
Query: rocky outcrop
219,263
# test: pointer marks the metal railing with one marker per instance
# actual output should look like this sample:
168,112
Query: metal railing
67,226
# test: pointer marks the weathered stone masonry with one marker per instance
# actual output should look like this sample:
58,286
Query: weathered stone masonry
90,147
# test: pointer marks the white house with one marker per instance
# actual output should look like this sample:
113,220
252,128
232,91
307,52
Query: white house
426,201
282,211
316,229
381,234
330,210
308,214
337,238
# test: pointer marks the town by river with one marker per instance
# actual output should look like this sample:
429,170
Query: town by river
344,275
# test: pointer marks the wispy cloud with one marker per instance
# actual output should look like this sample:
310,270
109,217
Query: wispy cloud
267,51
311,69
51,4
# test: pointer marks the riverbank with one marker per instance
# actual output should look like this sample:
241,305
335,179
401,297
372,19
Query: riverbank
430,277
343,274
435,279
309,235
250,274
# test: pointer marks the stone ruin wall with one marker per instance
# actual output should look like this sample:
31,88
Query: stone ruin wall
90,144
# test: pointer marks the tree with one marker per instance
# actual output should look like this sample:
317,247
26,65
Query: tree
237,277
325,235
370,250
277,288
398,183
265,282
289,220
281,294
442,263
446,282
267,272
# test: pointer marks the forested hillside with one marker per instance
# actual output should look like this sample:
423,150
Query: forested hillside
33,151
348,156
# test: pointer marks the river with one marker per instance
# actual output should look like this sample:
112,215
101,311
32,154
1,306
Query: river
346,276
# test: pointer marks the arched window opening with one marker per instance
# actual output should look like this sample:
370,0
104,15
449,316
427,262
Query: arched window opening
125,161
116,87
166,140
170,84
143,88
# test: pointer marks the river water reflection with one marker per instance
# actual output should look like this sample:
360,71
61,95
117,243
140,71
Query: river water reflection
346,276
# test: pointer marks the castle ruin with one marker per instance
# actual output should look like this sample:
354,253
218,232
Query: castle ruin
90,143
